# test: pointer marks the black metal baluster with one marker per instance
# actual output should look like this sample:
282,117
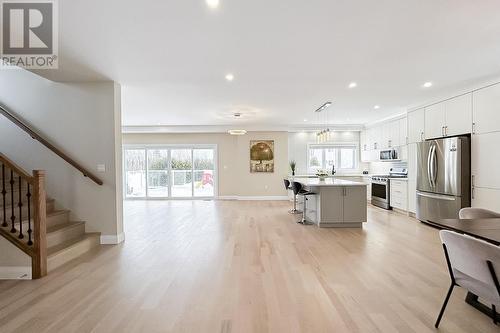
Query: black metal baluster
13,214
20,205
28,195
4,194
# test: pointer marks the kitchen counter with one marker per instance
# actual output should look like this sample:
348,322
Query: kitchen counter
337,203
334,181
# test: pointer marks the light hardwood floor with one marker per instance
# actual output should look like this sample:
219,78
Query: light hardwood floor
227,266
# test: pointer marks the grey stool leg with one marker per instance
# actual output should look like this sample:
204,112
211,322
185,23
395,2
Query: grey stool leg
304,221
294,210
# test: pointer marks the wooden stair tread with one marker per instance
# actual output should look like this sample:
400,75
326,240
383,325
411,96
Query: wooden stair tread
60,248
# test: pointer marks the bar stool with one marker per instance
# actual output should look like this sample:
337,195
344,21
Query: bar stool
298,189
288,187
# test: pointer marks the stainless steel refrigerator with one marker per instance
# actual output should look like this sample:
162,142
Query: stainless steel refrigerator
443,178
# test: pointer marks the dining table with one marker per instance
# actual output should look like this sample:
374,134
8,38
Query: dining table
485,229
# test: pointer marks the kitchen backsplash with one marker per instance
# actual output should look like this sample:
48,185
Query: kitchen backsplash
383,168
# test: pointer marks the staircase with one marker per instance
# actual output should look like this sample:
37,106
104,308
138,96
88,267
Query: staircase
35,224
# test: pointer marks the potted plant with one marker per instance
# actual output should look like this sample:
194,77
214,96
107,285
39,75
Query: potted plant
293,164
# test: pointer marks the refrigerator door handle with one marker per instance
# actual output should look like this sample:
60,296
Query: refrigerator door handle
436,196
429,176
434,165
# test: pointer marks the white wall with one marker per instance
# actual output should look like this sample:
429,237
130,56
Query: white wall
235,178
298,141
83,119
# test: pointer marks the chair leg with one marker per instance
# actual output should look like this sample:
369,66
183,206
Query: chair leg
444,305
494,309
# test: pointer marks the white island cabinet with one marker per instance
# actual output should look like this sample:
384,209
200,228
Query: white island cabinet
338,203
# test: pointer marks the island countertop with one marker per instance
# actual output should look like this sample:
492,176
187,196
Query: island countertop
328,182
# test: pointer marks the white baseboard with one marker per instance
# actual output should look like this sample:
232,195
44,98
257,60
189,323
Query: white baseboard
112,239
254,198
15,273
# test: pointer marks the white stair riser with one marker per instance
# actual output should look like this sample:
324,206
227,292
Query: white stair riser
63,235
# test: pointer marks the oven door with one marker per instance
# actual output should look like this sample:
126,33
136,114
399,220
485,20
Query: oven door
380,194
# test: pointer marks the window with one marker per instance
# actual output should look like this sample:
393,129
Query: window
343,157
170,172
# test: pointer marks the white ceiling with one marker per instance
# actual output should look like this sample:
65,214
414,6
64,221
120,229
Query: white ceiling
288,56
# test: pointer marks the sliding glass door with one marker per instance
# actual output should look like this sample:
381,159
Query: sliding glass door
158,173
204,167
170,172
182,172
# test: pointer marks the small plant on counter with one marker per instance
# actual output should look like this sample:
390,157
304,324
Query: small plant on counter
322,174
293,164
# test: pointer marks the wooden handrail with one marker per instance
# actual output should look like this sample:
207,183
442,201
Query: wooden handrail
22,125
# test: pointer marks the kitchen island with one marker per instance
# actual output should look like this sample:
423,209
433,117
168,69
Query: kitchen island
338,203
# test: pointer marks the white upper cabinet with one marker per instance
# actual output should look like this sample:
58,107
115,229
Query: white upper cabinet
394,134
363,146
416,125
449,118
486,105
403,131
435,120
459,115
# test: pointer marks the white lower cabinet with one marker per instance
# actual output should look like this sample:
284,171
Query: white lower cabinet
486,198
412,177
398,196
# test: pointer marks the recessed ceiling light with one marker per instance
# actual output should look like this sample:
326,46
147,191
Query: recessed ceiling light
353,85
229,77
305,119
212,3
237,132
427,84
376,107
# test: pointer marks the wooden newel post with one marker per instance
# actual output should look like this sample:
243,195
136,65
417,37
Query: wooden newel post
39,260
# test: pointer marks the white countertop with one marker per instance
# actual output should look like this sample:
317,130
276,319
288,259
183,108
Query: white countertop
327,182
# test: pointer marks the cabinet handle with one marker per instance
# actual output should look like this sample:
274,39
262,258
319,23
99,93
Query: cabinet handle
442,130
446,130
421,136
473,128
473,187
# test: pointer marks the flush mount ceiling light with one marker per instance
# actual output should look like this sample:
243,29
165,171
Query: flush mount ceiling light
427,84
212,3
353,85
237,132
229,77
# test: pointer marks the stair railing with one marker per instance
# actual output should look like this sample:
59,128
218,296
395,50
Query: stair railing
24,126
23,212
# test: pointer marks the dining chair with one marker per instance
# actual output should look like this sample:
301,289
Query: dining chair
477,213
474,265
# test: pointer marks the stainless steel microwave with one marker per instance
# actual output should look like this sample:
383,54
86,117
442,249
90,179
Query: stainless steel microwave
388,154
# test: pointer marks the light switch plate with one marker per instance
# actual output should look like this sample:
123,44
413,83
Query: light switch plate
101,167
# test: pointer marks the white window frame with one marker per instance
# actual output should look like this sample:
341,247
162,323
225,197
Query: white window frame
169,147
338,146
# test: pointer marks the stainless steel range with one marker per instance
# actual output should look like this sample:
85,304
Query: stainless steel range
381,187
